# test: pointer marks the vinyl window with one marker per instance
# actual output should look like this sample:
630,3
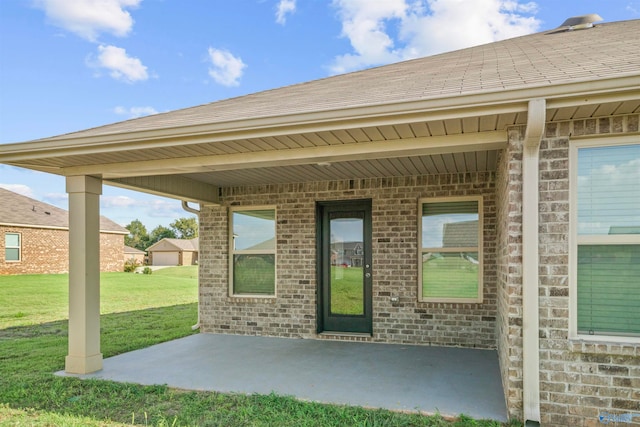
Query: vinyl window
606,235
253,251
12,247
450,250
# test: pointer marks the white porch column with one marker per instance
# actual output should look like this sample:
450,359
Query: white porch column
530,284
84,275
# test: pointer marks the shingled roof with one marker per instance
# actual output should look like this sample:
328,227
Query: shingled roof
545,59
16,209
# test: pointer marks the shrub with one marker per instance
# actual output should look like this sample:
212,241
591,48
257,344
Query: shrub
147,270
130,265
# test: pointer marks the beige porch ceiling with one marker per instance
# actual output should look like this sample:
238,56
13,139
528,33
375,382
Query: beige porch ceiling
477,161
452,145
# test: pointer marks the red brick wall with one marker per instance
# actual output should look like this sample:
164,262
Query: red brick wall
111,252
46,251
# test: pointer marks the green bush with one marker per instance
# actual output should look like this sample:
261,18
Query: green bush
130,265
147,270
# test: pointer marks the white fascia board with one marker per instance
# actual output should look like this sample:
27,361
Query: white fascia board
300,156
439,108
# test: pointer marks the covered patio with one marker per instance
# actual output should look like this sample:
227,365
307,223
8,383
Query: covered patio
492,131
446,380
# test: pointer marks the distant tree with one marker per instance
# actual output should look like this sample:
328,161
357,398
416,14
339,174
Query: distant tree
138,237
159,233
185,228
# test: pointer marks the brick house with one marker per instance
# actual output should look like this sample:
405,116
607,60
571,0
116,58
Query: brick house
535,140
133,255
174,252
35,238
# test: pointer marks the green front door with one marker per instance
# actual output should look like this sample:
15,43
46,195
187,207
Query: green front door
344,260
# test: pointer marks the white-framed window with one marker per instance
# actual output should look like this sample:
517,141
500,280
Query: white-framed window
12,247
605,239
450,249
252,249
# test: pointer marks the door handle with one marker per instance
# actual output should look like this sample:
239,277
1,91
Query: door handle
367,275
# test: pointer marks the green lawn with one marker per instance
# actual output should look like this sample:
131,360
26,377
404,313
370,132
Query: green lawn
346,290
449,276
32,299
31,351
254,274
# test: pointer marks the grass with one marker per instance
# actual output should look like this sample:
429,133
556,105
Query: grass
29,353
32,299
346,290
254,274
449,276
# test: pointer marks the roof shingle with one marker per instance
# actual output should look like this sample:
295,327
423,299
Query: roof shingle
17,209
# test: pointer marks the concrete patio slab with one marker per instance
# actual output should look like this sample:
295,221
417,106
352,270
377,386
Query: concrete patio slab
450,381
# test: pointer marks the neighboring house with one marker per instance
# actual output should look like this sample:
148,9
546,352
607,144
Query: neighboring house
134,255
35,237
460,234
347,253
519,130
174,252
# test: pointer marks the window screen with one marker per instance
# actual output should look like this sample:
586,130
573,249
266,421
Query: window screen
608,252
12,247
450,250
253,251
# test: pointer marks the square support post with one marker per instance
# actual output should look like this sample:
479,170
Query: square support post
84,275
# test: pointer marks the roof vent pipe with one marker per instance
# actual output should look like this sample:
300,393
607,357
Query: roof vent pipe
582,21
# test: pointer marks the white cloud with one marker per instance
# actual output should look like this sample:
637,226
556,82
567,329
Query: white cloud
25,190
227,69
610,183
60,200
154,208
284,8
120,65
89,18
633,8
117,202
456,24
364,24
158,208
135,112
393,30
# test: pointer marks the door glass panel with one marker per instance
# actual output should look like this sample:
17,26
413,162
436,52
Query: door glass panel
347,255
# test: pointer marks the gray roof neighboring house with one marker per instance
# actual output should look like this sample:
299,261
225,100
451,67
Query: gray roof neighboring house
133,251
19,210
266,245
460,234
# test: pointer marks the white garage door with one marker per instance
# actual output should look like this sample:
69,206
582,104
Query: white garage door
165,258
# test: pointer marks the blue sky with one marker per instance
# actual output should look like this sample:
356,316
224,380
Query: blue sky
67,65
